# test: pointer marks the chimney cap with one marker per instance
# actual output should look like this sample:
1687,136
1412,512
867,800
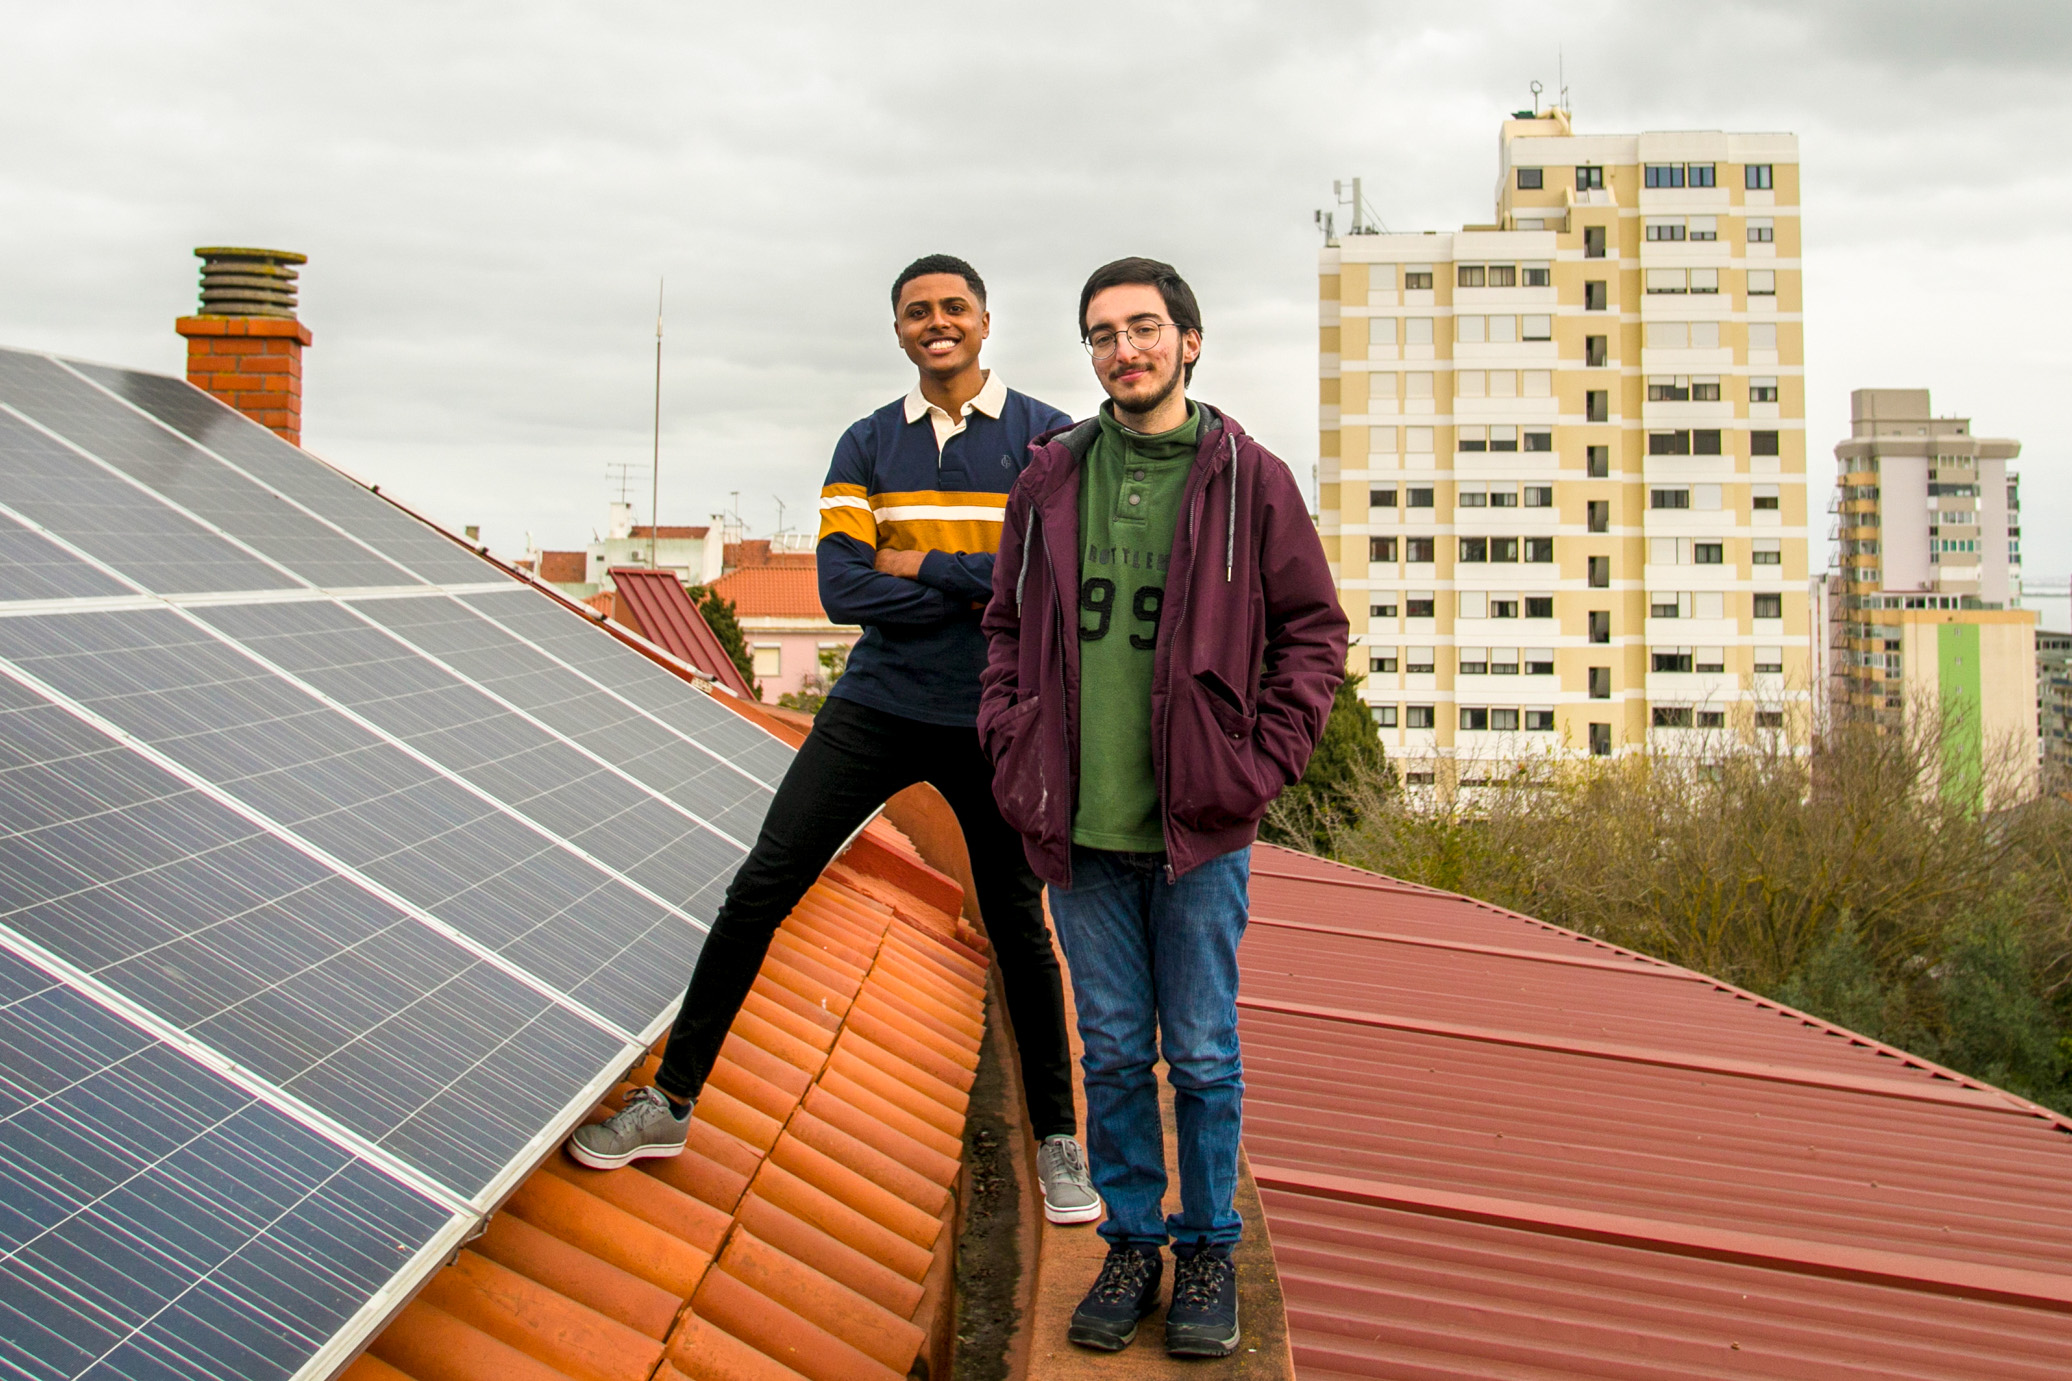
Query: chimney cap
248,282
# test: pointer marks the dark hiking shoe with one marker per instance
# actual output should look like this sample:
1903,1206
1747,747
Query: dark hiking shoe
645,1126
1202,1319
1125,1291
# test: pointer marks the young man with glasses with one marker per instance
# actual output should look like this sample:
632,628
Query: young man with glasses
1165,643
910,519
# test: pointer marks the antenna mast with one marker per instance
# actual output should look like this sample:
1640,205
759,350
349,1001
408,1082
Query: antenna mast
655,477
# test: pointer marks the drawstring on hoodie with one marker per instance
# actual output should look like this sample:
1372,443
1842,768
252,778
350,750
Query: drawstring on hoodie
1021,576
1230,531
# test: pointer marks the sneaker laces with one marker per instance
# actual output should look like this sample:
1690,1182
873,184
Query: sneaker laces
1198,1279
1064,1149
638,1099
1122,1277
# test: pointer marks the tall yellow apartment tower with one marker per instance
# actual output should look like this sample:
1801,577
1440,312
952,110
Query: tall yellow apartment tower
1563,469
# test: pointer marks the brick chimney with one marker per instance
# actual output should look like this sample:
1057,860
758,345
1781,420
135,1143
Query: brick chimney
246,345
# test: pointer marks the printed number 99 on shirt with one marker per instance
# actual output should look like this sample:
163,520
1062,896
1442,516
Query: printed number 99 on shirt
1097,598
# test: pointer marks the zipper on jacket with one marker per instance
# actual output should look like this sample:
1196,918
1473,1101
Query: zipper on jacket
1021,575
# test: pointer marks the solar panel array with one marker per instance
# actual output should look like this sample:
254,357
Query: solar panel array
339,875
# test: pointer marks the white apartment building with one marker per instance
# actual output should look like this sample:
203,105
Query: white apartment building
1563,472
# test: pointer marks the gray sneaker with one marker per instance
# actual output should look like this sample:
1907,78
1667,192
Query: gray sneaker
1068,1191
644,1127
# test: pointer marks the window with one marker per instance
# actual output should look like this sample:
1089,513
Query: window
1671,717
1418,551
1762,335
1539,661
1665,388
1767,551
1595,296
1381,440
1704,227
1417,385
1762,282
1593,242
1503,721
1381,548
1418,717
1469,330
1600,683
1709,553
768,659
1383,611
1668,281
1668,498
1539,606
1589,179
1418,661
1756,177
1539,721
1595,353
1503,607
1672,659
1470,276
1711,660
1667,335
1539,496
1384,716
1601,734
1763,497
1669,443
1597,461
1384,497
1762,231
1503,438
1769,606
1597,515
1763,443
1474,661
1382,659
1600,572
1663,175
1762,390
1473,439
1705,390
1529,179
1699,175
1503,549
1473,718
1417,496
1769,719
1503,275
1417,330
1538,439
1417,280
1417,440
1474,549
1418,607
1665,606
1539,550
1535,327
1538,276
1503,496
1705,281
1769,661
1471,496
1705,441
1658,230
1381,330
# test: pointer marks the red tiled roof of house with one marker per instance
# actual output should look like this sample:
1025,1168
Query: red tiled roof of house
656,605
668,533
755,551
783,592
564,567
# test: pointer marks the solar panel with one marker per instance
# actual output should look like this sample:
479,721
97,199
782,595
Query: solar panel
381,865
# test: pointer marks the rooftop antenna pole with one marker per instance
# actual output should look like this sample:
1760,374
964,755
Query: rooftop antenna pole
655,476
1561,76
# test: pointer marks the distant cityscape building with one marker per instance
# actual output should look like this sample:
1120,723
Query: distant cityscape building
1924,611
2054,708
1563,467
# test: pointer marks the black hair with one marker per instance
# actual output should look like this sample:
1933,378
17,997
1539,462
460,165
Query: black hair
939,263
1179,298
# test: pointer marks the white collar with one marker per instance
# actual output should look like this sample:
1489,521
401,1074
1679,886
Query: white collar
990,400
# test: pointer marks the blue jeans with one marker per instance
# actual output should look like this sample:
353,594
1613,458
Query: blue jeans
1154,965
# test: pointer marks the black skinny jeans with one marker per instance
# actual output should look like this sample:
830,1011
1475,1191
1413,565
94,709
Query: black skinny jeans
854,760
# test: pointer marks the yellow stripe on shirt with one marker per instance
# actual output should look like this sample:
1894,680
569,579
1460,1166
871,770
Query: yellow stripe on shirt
845,510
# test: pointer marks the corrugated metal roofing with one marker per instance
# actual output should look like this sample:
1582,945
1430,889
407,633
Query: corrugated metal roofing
662,612
1491,1147
809,1229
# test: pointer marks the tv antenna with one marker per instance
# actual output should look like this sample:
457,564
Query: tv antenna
655,475
780,515
1361,219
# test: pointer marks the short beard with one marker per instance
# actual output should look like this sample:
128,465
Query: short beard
1157,401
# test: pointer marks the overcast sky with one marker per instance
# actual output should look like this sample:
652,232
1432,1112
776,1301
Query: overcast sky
488,193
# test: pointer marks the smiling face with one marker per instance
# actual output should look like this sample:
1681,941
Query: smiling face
941,324
1139,381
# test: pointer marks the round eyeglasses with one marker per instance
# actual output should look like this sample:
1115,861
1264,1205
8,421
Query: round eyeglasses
1142,336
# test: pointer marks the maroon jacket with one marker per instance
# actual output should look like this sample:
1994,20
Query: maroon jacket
1251,648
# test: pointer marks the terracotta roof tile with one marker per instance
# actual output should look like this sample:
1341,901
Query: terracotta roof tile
772,592
797,1234
565,567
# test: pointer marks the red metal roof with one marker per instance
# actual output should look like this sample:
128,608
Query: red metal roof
656,605
1490,1147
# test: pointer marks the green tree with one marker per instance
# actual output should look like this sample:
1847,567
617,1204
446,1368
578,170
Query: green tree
813,689
1348,762
719,617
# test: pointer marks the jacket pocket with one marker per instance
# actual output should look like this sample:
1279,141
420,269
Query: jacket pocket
1214,772
1020,777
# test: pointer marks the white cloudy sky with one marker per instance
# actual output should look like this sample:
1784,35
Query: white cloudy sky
488,192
